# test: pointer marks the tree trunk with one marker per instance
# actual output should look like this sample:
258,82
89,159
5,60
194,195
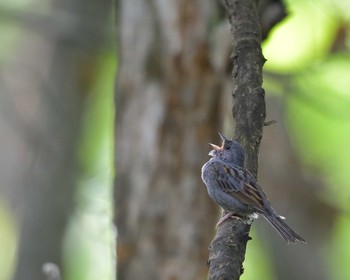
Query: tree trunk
168,109
46,85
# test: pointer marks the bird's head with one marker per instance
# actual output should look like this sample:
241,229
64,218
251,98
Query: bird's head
229,151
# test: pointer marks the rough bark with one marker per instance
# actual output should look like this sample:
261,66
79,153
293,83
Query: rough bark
227,250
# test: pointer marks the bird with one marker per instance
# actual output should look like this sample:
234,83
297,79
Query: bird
235,189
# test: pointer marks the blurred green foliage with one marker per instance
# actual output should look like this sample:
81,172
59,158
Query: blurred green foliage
303,37
9,238
308,66
337,250
90,239
91,255
319,120
257,261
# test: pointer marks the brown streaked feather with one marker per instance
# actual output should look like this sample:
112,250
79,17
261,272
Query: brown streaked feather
253,199
241,184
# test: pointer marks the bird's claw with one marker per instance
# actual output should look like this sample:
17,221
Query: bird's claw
225,217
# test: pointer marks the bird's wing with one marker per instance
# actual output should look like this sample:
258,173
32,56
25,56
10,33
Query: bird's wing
241,184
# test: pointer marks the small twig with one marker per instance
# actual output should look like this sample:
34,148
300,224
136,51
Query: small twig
269,122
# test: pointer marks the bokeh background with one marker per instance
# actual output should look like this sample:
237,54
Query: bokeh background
58,65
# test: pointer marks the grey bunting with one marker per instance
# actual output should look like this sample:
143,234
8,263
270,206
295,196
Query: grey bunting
236,190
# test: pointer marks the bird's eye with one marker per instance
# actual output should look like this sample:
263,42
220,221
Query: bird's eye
227,147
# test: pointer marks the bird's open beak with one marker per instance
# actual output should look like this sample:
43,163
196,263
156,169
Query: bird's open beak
223,138
215,147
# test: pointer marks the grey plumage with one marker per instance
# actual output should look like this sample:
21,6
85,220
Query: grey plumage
235,189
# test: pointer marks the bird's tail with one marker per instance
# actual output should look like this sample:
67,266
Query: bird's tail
283,229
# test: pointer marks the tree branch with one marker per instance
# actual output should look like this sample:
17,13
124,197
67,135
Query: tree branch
227,250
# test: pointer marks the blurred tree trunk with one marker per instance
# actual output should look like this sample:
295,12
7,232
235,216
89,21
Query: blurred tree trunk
54,71
168,99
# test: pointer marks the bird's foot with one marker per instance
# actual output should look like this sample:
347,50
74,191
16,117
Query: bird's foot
225,217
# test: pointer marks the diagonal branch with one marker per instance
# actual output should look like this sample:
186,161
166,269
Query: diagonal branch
227,250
